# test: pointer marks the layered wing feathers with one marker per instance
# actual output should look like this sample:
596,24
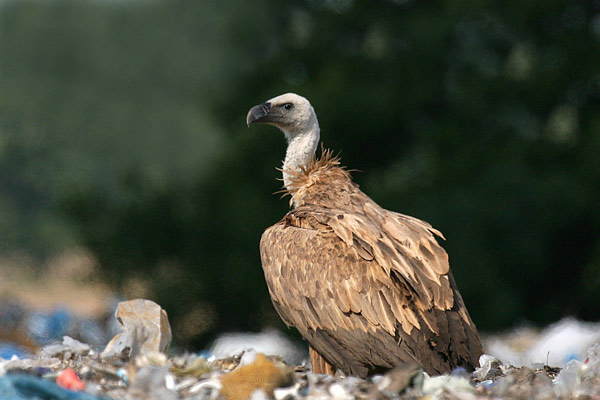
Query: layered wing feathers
367,287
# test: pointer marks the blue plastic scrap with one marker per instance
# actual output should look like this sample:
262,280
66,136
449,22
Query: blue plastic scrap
27,387
45,327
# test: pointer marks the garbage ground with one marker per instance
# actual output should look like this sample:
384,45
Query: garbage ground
135,365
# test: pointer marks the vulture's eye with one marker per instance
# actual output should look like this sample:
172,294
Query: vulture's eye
288,106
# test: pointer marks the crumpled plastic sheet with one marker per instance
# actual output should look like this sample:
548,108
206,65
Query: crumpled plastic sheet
145,328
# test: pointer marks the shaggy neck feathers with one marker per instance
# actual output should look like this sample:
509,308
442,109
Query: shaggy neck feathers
305,183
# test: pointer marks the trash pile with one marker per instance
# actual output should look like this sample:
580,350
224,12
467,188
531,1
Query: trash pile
134,365
559,343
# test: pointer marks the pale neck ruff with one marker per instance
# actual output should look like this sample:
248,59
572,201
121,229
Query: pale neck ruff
300,151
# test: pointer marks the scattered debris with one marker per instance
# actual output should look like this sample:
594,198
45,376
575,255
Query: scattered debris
489,368
134,366
68,349
556,345
270,342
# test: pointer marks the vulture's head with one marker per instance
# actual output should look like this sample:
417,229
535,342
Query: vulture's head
289,112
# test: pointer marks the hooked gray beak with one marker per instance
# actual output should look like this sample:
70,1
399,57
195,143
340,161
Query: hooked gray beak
258,113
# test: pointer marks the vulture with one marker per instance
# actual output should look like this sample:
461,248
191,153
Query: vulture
368,288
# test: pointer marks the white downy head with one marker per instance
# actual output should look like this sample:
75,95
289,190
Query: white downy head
296,118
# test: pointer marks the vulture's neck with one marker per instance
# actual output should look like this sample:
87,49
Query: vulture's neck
300,151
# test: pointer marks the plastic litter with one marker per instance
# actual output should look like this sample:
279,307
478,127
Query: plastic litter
269,342
436,385
526,383
68,379
68,349
581,378
290,392
489,368
151,383
145,328
206,389
556,345
569,378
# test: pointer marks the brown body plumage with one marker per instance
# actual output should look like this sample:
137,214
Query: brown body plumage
368,288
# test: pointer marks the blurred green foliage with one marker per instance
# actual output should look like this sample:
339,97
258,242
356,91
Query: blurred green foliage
122,129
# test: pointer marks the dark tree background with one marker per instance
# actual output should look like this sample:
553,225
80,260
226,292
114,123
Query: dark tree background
122,130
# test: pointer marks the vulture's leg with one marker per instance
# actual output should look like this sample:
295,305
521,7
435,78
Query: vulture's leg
319,364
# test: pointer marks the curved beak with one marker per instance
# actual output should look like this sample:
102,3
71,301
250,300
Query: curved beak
258,113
